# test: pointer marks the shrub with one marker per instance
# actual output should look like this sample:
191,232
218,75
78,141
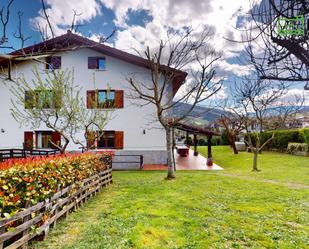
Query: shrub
201,142
25,182
294,147
305,134
224,139
282,138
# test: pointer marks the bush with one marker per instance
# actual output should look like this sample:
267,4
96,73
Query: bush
25,182
224,140
305,134
282,138
294,147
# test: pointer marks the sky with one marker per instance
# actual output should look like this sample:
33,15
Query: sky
144,22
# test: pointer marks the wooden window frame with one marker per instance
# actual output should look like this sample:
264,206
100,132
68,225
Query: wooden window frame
118,140
49,63
33,98
92,98
95,66
106,132
106,104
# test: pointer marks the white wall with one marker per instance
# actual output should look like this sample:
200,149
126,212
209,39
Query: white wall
131,119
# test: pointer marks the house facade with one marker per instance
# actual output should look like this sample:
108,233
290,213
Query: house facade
98,70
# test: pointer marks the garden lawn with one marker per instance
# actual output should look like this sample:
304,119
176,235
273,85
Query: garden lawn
199,209
274,166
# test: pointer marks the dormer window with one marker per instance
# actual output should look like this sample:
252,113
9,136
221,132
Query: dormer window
53,62
98,63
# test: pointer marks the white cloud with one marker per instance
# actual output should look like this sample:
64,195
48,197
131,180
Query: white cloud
60,13
293,94
225,69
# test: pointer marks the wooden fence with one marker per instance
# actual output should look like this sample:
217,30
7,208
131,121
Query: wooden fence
18,230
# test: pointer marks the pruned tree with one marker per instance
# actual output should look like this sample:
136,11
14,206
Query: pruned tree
181,51
233,124
259,102
91,123
55,102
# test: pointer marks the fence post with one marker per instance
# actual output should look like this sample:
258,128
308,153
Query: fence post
2,230
25,219
11,153
141,162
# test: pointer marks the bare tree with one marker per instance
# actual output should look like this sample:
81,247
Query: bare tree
55,102
279,30
178,53
233,124
259,102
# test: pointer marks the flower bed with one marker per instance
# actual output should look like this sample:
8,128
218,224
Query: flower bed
36,192
25,182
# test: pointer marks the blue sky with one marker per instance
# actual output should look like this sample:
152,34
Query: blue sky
142,22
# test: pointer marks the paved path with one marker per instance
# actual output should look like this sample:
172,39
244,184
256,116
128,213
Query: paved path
185,163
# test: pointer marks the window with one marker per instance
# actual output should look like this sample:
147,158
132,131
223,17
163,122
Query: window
43,139
53,62
107,140
96,63
101,63
42,99
104,99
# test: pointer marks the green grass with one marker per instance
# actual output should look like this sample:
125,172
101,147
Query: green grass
196,210
274,166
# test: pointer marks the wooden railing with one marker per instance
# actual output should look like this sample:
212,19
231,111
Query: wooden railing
17,230
21,153
136,159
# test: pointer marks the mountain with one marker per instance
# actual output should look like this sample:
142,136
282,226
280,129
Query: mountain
205,116
200,115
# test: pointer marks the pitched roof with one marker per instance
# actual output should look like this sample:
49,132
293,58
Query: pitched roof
70,40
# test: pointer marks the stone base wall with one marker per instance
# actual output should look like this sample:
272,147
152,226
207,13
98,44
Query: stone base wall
129,159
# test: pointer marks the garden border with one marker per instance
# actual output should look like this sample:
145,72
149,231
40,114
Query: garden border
57,206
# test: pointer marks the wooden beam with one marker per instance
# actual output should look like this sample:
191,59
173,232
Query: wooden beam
195,144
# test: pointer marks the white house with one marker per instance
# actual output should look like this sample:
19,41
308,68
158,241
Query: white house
129,132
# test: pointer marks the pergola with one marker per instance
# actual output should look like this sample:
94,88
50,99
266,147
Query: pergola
196,130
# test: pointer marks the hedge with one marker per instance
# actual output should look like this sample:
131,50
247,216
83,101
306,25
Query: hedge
282,138
25,182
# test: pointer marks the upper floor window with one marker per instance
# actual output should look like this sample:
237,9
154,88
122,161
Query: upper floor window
104,99
40,99
53,62
96,63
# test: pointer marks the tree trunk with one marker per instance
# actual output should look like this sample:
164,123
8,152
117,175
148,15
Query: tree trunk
255,157
169,148
64,147
234,145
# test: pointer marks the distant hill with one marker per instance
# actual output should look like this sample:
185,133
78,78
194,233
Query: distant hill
205,116
305,109
200,115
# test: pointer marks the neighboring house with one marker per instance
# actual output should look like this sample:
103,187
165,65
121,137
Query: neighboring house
129,132
301,120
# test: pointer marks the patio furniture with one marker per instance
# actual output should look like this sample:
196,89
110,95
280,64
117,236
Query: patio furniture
182,150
